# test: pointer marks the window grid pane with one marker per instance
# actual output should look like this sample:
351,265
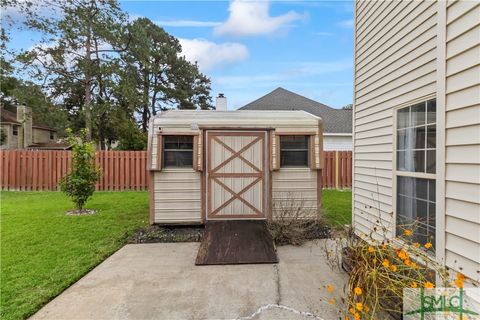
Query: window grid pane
416,208
416,138
294,151
177,151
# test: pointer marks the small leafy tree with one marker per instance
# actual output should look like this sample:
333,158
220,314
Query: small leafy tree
79,184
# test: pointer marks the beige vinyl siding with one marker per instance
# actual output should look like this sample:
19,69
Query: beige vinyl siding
462,187
395,64
42,135
11,141
293,188
177,196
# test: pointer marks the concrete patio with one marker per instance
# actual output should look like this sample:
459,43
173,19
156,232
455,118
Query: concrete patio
160,281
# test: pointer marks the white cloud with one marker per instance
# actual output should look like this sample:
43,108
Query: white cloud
346,24
300,70
209,54
13,15
187,23
252,19
319,68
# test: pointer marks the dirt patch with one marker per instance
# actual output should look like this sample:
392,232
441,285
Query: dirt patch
81,212
153,234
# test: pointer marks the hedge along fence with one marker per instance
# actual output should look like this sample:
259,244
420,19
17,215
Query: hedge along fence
29,170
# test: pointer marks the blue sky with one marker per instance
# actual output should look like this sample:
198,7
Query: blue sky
249,48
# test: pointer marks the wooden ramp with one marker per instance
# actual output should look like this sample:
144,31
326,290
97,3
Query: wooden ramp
236,242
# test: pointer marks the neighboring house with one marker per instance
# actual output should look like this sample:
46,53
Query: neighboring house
20,131
337,130
417,124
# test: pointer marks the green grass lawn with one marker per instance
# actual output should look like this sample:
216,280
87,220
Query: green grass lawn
44,251
337,206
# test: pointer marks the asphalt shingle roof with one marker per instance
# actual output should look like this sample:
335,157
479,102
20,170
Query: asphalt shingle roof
334,120
8,116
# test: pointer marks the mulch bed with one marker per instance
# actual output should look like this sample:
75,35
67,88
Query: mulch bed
81,212
153,234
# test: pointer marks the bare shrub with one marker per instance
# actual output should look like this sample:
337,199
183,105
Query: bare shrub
294,223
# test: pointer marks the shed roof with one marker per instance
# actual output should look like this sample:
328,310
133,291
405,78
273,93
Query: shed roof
236,118
335,120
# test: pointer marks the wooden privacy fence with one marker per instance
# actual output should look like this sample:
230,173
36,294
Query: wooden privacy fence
337,169
122,170
42,170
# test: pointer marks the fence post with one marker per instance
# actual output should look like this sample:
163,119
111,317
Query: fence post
336,170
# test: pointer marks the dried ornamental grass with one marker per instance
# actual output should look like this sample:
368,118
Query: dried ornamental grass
381,267
295,223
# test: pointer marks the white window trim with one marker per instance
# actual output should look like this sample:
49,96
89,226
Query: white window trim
396,172
440,153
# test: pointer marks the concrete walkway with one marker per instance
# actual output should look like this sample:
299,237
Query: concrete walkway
160,281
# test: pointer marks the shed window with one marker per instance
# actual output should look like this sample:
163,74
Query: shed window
177,151
15,130
415,170
52,136
294,151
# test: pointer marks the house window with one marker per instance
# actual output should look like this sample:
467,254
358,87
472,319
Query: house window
15,130
177,151
294,151
415,170
52,136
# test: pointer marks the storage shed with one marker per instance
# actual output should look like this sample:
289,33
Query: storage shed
228,165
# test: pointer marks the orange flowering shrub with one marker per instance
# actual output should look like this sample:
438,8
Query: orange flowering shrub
380,268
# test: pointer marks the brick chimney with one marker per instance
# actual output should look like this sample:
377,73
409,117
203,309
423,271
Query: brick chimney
25,134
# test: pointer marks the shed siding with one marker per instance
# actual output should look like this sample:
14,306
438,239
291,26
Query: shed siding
462,186
294,188
395,63
177,196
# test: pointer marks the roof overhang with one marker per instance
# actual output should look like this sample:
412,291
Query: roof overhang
44,128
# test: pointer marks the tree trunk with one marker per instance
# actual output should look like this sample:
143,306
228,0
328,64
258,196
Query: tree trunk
88,89
145,102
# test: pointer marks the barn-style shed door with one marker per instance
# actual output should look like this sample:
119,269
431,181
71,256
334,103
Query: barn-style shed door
236,174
